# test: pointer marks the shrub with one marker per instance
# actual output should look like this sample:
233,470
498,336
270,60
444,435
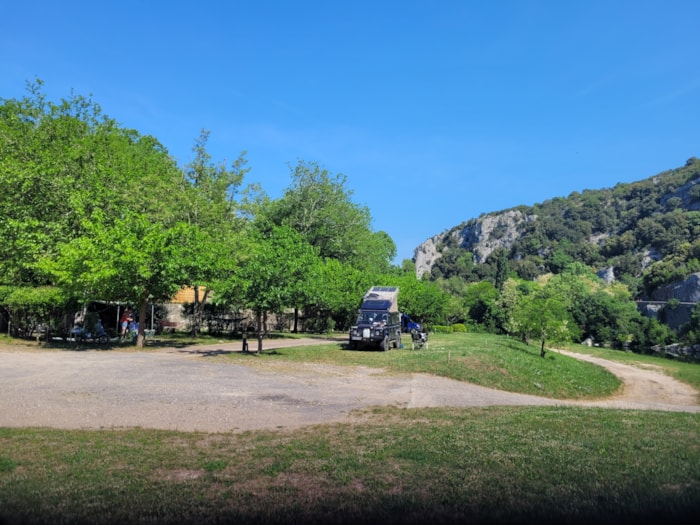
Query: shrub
31,307
321,324
459,328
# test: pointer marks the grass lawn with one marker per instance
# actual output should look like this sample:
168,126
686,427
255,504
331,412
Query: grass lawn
487,465
446,465
482,359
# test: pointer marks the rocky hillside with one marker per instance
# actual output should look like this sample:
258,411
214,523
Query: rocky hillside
646,234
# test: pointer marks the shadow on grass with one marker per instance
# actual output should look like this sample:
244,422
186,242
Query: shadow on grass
365,349
525,348
71,346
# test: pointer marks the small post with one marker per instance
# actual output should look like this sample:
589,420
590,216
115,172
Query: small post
245,342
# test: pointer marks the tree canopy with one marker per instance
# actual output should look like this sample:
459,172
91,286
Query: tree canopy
319,206
104,212
93,210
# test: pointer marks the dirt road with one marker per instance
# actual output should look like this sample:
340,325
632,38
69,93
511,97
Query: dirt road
185,389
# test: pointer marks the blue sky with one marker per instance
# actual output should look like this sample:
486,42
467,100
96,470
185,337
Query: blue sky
435,111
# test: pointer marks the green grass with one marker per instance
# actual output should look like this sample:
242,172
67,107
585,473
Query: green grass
487,465
482,359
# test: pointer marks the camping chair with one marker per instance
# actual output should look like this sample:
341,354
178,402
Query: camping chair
419,339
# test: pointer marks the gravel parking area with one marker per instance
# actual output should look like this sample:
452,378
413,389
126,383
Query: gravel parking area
186,389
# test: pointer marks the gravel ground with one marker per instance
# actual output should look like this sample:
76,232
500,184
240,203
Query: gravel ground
185,389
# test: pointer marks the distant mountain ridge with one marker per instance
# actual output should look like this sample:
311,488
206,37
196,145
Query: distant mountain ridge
645,234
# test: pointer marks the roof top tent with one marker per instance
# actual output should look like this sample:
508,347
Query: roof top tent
381,298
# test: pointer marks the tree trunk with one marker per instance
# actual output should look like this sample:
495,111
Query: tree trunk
143,307
542,350
260,331
196,312
296,319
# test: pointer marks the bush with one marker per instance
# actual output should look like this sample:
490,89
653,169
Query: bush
32,307
459,328
442,329
322,324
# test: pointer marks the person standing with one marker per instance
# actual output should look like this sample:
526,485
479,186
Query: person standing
124,321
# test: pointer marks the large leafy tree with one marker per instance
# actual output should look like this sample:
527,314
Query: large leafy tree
215,239
480,302
341,288
424,300
131,259
131,248
98,209
49,154
602,311
319,206
278,274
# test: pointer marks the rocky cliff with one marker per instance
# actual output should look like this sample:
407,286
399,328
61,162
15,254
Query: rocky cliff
673,304
620,231
425,255
687,291
480,236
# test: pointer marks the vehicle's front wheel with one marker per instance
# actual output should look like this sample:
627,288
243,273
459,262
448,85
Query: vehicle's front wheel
385,343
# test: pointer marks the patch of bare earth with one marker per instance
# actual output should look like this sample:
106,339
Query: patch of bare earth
179,389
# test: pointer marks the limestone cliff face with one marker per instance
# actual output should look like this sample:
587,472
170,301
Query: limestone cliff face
687,291
425,256
480,236
493,231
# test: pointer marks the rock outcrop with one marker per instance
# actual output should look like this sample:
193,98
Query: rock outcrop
425,256
607,274
686,197
493,231
687,291
673,304
480,236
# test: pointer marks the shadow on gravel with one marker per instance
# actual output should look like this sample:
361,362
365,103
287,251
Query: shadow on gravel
215,352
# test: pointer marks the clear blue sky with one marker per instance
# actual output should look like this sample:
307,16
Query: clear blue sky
436,111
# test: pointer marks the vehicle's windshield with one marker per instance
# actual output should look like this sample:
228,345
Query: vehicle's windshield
372,318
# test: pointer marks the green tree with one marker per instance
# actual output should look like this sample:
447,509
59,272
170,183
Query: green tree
319,207
542,315
501,268
48,157
424,301
131,259
504,308
480,301
341,288
85,202
277,275
215,239
29,307
89,205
